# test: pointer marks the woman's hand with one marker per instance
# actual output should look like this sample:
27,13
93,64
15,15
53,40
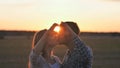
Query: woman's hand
49,38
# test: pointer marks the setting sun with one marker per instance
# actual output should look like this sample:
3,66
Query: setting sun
90,15
57,29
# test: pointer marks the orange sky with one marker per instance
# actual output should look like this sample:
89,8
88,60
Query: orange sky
90,15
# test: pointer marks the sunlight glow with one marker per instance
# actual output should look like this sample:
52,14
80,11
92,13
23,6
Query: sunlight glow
57,29
90,15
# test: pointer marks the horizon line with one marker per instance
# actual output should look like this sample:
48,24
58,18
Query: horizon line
80,31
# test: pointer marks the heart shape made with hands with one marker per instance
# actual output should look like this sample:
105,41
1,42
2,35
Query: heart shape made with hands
57,29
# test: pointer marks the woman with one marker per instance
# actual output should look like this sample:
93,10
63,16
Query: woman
41,55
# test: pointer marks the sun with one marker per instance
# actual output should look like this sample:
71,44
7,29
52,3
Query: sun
57,29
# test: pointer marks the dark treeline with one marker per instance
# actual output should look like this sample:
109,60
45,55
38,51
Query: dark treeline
31,33
100,34
4,33
16,33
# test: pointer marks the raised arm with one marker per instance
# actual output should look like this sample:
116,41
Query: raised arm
35,57
79,52
45,40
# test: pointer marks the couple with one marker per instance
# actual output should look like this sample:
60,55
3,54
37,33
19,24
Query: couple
78,55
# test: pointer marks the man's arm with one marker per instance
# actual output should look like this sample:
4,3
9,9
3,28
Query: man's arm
80,56
85,52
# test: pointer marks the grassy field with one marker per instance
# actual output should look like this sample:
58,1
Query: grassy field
14,51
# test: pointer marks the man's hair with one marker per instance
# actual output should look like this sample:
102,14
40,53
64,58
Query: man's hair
73,26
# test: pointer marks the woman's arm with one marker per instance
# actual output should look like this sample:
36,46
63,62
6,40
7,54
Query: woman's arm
45,40
37,61
40,45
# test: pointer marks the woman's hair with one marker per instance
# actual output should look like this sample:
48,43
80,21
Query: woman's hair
37,36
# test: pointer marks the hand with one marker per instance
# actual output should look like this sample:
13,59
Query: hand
51,41
52,35
48,40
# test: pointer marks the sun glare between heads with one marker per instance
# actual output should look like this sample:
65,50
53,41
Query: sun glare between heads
57,29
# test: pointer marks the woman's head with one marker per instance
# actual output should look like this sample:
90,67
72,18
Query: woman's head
47,47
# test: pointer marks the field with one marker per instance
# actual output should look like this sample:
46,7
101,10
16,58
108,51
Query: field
14,51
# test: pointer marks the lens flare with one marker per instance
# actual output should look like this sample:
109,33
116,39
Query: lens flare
57,29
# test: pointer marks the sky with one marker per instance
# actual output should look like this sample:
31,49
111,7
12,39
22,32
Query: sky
90,15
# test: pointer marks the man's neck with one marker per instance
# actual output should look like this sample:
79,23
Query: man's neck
70,46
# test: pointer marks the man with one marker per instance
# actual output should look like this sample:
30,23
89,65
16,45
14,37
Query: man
79,55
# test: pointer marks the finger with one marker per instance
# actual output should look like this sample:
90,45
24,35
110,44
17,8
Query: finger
61,23
64,25
53,26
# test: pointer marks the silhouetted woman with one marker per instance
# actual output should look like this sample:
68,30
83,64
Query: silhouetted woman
41,55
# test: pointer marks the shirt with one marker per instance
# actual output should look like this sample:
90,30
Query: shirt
80,57
57,63
37,61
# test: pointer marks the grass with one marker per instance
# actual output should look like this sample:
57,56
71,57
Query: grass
14,52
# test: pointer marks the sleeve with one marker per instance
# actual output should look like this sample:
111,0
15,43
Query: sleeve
85,52
37,61
88,63
65,56
80,57
57,59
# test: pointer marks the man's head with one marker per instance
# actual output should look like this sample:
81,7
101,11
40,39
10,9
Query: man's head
73,26
38,35
67,30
